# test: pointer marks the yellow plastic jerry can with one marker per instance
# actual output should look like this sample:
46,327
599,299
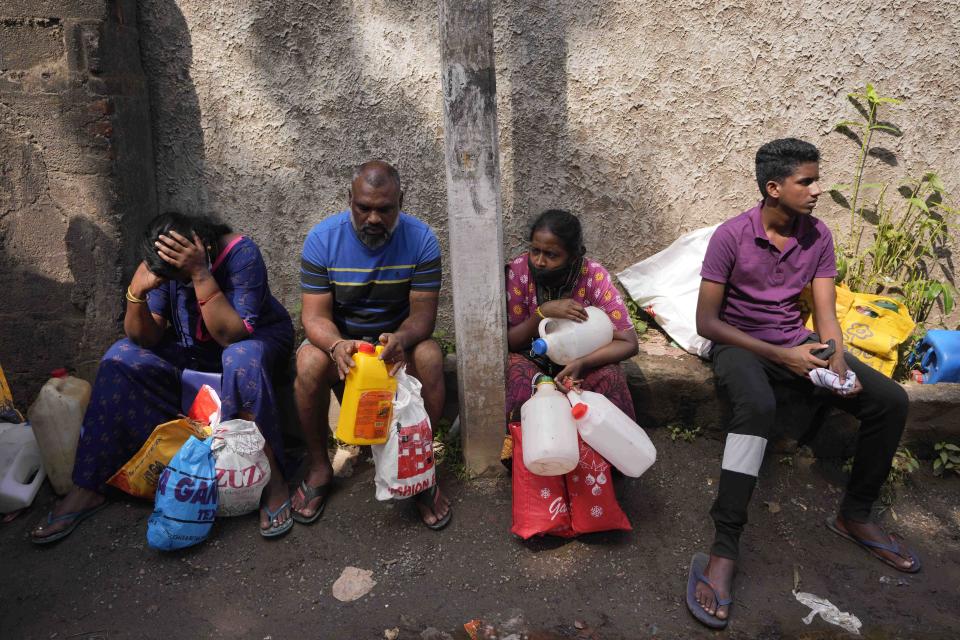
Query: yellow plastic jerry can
367,406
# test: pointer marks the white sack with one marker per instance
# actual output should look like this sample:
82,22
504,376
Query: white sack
667,284
241,465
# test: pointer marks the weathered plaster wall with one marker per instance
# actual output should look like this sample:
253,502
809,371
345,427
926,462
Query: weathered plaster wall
642,117
76,180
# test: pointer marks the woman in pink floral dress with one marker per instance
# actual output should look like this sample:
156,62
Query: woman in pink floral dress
554,279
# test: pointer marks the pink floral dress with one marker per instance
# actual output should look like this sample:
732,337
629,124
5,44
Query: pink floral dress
594,288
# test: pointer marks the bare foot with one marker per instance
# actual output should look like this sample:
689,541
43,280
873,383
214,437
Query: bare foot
318,475
871,531
75,501
719,572
432,512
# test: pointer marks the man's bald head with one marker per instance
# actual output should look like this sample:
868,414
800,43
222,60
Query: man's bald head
376,173
375,202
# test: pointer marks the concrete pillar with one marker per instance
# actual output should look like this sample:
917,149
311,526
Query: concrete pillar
474,212
76,180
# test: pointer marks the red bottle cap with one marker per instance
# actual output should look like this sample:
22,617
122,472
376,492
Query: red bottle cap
366,347
579,410
59,373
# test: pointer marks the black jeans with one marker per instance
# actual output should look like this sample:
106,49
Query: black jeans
747,379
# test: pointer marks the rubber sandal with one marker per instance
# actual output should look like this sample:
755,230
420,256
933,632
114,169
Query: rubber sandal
310,494
275,529
431,495
872,547
75,518
697,566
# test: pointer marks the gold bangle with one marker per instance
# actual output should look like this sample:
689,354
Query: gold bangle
132,298
540,313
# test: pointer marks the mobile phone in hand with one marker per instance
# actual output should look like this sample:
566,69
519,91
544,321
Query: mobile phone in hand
827,351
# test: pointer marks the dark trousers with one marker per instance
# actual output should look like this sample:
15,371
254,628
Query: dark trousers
747,379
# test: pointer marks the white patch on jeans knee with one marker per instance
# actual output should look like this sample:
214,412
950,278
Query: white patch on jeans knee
743,453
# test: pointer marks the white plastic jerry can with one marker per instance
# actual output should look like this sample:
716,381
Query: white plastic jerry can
21,470
563,341
56,416
550,446
611,433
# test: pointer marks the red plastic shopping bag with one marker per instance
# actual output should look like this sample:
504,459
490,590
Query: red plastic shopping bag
593,504
539,502
206,407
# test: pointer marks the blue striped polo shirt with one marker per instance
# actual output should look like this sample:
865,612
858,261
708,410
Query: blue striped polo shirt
371,287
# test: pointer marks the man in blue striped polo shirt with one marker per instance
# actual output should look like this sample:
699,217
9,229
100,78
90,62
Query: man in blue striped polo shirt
373,274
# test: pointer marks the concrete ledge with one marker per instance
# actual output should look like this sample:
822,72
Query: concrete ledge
672,387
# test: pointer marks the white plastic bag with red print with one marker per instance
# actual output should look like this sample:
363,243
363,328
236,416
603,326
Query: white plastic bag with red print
241,466
405,464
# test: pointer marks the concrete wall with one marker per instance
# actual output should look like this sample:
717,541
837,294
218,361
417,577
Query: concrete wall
76,180
643,117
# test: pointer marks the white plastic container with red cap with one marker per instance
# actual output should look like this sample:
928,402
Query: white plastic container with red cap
56,416
21,470
563,341
611,433
550,446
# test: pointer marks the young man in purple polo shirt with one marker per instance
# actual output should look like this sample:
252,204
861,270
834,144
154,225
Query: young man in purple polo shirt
754,270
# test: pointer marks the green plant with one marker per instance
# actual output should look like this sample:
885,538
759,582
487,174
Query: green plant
638,316
904,465
947,458
447,343
904,237
448,450
679,432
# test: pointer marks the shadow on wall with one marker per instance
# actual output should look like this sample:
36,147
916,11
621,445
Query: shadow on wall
569,145
351,83
536,58
293,97
167,57
43,313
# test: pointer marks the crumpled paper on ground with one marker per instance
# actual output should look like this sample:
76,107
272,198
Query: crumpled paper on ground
352,584
828,611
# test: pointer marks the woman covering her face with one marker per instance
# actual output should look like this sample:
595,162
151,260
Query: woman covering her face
199,300
555,279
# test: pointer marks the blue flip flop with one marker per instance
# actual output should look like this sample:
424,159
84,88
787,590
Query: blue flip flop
872,547
697,566
275,529
74,518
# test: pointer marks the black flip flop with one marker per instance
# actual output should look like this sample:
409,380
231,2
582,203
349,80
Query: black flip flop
431,495
697,565
309,495
872,547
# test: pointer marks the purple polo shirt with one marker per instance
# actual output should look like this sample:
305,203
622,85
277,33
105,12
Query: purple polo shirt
763,284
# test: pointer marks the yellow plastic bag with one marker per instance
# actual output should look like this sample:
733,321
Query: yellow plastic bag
8,412
139,476
873,327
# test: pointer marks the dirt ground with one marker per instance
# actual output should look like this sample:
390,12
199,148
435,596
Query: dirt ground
104,582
